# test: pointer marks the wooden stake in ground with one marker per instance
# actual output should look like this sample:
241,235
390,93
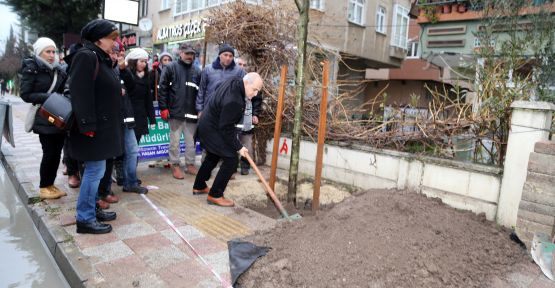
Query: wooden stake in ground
277,128
321,137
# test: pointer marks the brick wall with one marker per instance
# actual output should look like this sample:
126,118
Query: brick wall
536,211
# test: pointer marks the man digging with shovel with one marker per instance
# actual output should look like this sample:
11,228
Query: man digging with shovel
217,134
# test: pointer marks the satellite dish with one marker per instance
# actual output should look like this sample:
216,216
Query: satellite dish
145,24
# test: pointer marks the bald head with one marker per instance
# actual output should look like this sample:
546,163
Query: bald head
253,84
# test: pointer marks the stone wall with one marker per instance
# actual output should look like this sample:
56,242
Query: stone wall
536,211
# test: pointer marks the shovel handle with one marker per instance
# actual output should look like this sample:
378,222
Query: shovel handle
268,189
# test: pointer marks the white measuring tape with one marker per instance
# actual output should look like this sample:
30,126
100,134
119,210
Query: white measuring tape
170,223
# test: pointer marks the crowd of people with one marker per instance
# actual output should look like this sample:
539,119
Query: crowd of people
112,94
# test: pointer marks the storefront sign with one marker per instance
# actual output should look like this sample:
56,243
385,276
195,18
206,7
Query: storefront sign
155,145
129,40
180,31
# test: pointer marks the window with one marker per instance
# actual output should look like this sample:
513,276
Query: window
144,8
164,4
185,6
197,4
414,51
400,27
356,8
317,4
181,6
380,19
212,3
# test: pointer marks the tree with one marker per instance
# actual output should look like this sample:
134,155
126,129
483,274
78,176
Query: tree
52,18
302,32
10,60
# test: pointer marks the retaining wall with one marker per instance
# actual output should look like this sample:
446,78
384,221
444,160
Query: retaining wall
461,185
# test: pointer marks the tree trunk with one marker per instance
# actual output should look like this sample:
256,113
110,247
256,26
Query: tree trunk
302,32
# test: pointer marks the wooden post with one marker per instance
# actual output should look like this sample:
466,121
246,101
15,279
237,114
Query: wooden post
277,128
321,137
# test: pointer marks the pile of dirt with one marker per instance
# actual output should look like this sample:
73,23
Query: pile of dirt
385,238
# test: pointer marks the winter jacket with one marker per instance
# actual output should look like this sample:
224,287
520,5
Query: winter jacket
36,79
178,90
211,77
127,115
216,128
141,100
96,105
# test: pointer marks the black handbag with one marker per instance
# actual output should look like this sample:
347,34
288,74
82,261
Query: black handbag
57,111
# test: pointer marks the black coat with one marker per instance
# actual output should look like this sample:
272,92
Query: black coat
216,128
141,100
179,84
96,106
36,79
127,114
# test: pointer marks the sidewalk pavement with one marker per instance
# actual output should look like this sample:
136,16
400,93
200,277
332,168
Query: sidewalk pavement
142,250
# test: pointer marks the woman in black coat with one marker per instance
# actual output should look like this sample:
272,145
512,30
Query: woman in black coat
140,93
38,74
96,136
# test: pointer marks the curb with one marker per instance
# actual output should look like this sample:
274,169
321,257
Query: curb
75,266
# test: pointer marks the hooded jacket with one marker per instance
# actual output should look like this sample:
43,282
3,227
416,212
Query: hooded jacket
36,79
211,77
178,89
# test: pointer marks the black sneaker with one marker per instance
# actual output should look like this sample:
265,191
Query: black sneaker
136,189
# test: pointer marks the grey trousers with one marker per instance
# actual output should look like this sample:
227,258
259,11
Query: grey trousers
246,141
187,129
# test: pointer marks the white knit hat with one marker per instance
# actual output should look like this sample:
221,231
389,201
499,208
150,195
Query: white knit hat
41,44
135,54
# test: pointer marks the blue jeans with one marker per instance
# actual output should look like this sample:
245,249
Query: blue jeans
86,202
130,151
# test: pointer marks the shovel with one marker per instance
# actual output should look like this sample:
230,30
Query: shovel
284,213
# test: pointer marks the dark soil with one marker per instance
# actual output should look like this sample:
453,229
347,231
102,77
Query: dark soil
384,238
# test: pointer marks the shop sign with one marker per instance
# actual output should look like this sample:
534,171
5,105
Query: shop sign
129,40
180,31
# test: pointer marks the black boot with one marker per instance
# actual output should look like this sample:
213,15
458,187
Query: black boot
103,216
244,163
94,227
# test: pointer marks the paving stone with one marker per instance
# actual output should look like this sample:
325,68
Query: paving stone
184,274
133,230
128,266
188,231
144,280
218,261
107,252
163,257
143,244
205,246
84,241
